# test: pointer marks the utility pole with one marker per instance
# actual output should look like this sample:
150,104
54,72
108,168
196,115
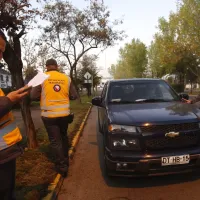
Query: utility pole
92,85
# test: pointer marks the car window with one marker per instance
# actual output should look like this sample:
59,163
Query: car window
136,91
103,94
165,92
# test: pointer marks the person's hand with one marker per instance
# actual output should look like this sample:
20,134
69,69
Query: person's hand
17,95
186,101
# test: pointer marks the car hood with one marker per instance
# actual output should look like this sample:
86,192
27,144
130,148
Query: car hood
153,113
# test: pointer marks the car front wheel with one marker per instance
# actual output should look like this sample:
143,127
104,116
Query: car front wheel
106,170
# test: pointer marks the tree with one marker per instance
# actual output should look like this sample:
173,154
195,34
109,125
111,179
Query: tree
154,62
111,70
132,61
43,55
73,32
29,52
15,17
88,64
29,73
30,57
189,24
176,44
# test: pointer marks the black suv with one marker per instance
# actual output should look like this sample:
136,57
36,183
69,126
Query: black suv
147,128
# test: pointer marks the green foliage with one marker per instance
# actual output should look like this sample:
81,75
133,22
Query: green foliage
154,61
16,15
178,87
132,62
176,48
88,64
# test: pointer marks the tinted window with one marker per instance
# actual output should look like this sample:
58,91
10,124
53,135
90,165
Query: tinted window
103,94
138,90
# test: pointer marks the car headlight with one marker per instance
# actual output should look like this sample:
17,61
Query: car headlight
122,128
121,137
122,143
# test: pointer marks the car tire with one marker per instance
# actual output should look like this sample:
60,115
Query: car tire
101,153
106,170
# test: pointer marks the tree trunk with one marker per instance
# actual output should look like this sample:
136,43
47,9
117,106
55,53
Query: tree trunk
15,66
30,128
191,89
75,83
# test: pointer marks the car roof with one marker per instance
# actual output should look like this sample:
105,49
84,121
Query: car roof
134,79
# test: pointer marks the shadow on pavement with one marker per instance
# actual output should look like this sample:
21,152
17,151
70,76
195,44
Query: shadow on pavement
93,143
141,182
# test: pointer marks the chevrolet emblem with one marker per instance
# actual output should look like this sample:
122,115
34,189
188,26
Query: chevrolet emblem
172,134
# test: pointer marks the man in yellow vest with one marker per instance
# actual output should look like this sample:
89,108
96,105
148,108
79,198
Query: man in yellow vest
55,94
9,137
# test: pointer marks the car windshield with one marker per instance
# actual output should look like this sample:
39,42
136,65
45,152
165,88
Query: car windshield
141,92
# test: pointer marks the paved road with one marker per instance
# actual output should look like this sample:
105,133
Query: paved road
35,113
85,180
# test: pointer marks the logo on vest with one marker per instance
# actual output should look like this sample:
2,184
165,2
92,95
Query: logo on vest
56,88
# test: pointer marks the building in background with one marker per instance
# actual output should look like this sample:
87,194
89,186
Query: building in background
5,79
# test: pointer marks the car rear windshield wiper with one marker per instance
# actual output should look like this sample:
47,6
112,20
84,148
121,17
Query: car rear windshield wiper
153,100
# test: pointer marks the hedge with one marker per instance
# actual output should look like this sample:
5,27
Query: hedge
178,87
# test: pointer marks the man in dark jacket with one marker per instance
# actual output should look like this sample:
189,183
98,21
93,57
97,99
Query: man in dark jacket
195,100
9,137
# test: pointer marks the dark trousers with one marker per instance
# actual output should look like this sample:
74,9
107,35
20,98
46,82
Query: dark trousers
57,132
7,180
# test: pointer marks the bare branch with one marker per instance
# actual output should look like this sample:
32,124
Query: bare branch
65,54
59,41
195,73
83,47
22,32
73,45
81,54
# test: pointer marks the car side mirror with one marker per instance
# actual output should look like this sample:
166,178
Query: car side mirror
96,101
184,96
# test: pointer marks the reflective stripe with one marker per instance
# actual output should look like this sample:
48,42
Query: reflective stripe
8,129
46,114
58,100
11,127
3,145
43,99
5,121
54,107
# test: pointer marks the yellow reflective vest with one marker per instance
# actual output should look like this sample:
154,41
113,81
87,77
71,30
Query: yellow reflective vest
54,100
9,132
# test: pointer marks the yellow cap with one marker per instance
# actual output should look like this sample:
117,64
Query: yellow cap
2,44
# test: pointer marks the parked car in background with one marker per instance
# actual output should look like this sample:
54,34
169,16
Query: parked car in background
147,129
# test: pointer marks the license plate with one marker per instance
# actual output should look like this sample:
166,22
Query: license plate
175,160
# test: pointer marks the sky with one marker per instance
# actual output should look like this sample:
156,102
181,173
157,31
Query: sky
140,18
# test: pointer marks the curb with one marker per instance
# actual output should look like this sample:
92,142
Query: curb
55,186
